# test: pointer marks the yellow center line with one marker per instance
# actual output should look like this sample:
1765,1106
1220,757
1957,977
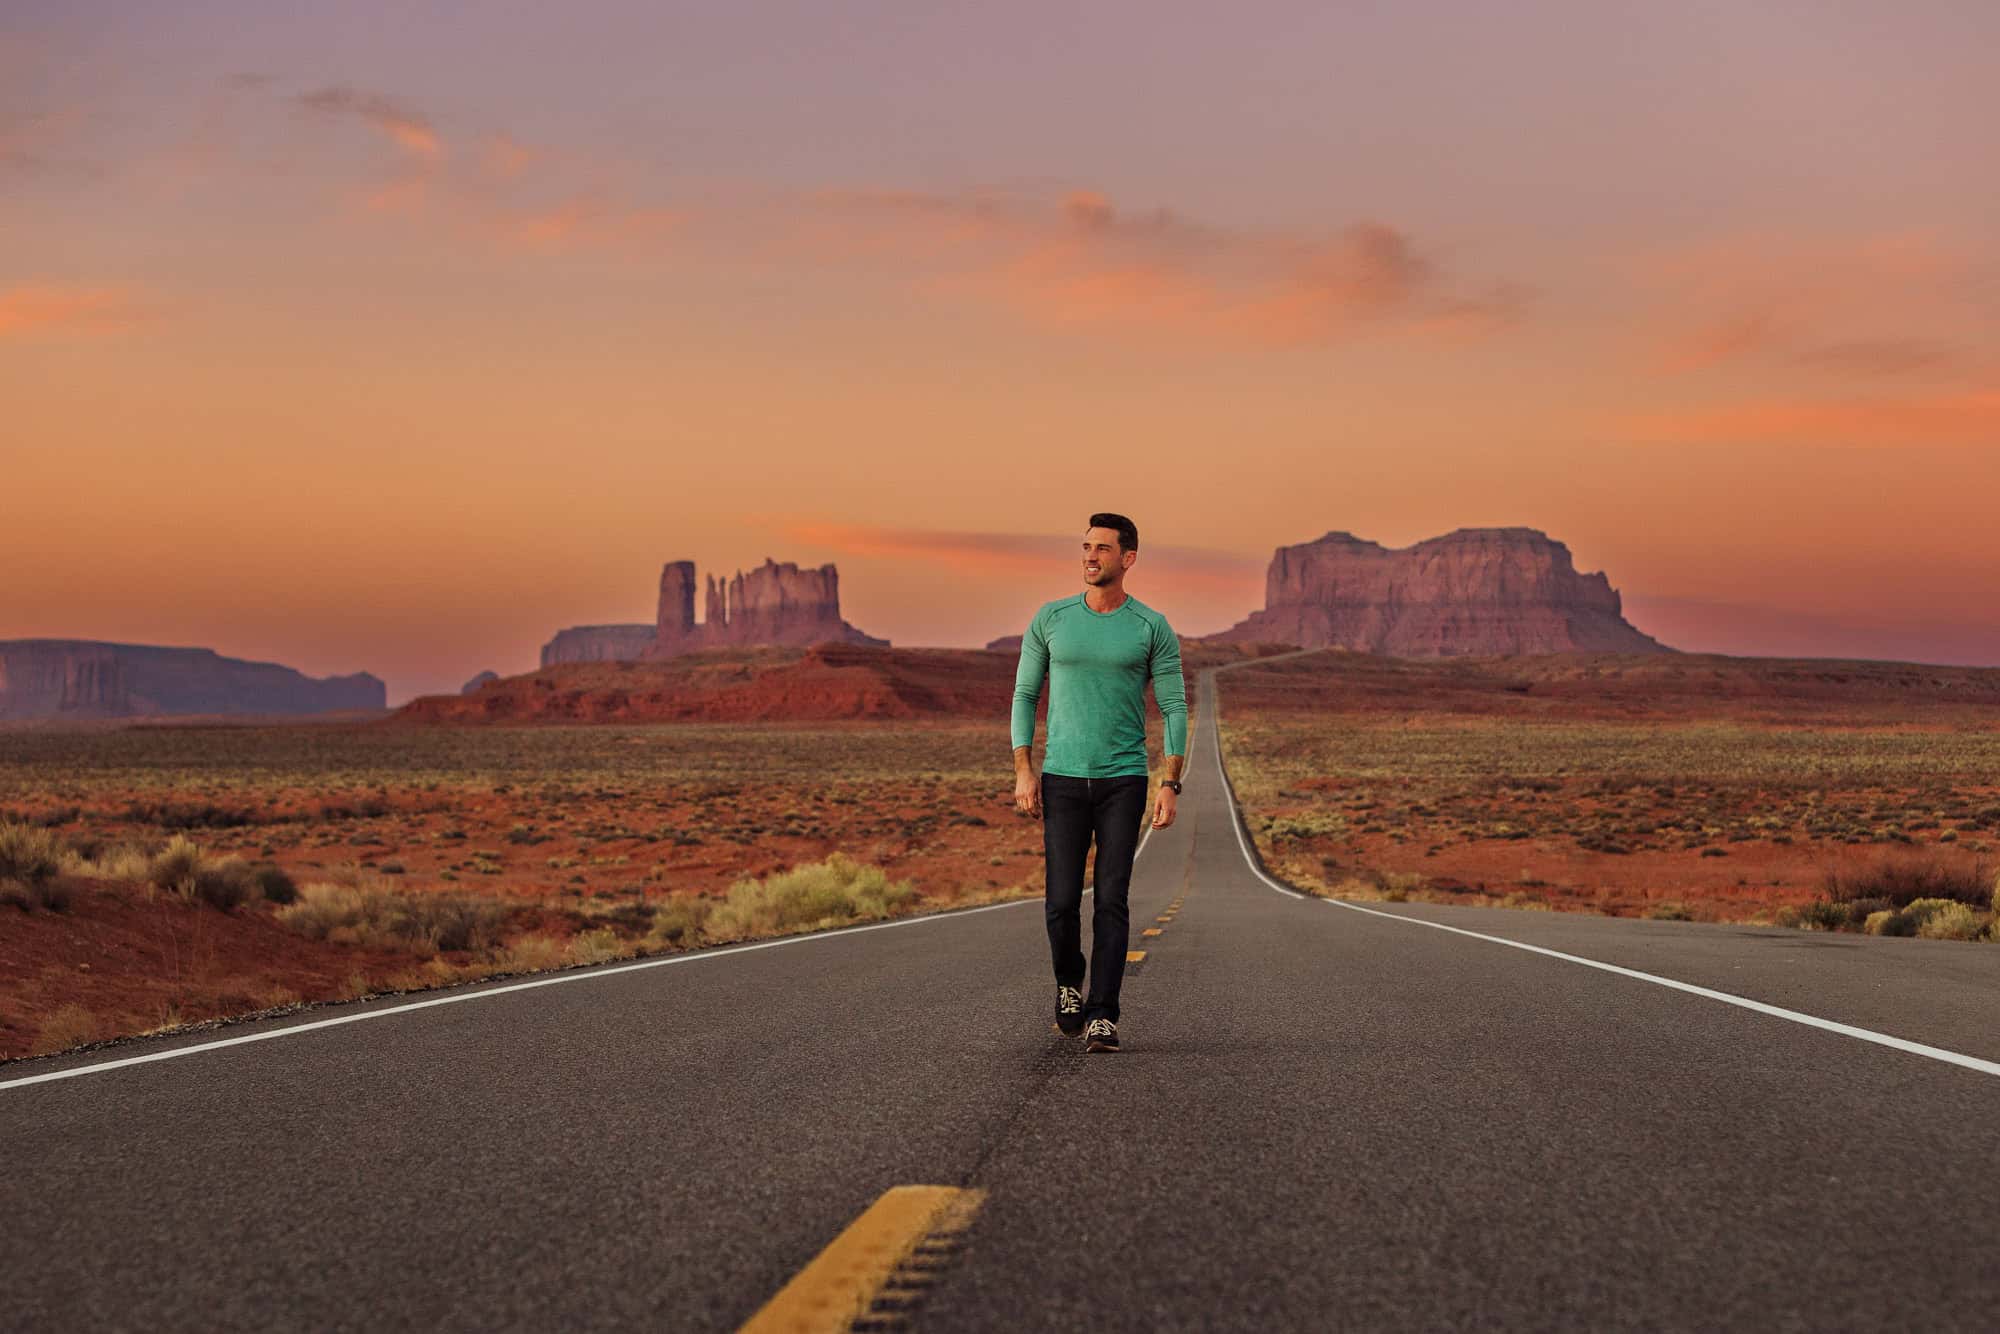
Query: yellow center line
1150,931
1134,956
843,1280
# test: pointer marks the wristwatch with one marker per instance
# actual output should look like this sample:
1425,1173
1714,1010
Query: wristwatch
1173,783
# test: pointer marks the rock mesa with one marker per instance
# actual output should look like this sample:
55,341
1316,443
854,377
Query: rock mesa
1477,591
86,678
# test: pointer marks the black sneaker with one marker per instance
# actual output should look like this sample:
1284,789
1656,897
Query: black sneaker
1069,1011
1102,1035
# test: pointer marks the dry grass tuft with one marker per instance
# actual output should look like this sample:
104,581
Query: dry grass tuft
810,896
1948,920
679,922
375,915
67,1026
174,867
533,953
28,854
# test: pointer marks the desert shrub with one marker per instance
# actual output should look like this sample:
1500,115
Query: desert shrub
276,884
679,922
28,853
813,894
174,866
118,861
49,895
1396,886
1922,910
1887,923
1953,921
595,946
533,953
1287,828
1902,878
382,916
1823,915
1673,911
226,883
187,815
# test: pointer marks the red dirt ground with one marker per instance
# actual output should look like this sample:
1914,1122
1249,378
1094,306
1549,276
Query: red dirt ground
137,961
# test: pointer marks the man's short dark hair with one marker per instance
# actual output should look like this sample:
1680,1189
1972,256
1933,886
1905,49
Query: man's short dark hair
1128,532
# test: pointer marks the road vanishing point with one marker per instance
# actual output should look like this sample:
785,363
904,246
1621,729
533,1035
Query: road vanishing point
1326,1116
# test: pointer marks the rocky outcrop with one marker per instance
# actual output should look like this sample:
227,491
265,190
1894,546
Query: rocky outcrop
598,643
84,678
477,682
1004,644
773,604
1484,591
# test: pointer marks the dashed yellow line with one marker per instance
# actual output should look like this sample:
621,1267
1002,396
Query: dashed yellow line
1134,956
1150,931
843,1280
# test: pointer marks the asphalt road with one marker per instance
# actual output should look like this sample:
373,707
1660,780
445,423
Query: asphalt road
1323,1119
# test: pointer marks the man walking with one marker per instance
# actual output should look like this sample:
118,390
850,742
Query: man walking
1098,648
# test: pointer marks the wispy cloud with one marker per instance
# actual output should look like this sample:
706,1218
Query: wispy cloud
1077,261
31,309
408,129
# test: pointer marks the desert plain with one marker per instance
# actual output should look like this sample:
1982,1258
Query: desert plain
193,872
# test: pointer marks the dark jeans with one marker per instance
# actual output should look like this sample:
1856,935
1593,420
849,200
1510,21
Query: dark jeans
1074,810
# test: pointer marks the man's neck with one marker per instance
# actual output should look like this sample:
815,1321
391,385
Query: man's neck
1104,597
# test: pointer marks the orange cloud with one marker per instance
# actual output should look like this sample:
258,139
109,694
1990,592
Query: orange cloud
403,127
505,156
1969,418
36,308
1077,261
584,221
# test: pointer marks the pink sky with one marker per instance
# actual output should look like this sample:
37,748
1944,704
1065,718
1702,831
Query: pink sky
392,338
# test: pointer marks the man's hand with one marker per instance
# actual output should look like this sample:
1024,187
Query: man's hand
1027,794
1169,805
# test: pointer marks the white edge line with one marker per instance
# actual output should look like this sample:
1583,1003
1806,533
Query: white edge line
1984,1067
1229,790
483,993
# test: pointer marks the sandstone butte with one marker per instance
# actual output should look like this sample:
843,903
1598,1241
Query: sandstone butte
1476,591
773,604
81,679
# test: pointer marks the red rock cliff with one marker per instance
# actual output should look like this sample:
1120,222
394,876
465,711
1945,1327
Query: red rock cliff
1475,591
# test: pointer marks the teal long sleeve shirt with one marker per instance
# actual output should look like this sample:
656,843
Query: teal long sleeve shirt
1097,664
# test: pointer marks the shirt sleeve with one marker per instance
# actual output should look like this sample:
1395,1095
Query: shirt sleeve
1028,675
1169,690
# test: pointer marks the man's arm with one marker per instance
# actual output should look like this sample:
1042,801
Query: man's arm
1170,695
1028,675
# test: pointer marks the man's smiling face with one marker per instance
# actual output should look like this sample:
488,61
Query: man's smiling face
1103,562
